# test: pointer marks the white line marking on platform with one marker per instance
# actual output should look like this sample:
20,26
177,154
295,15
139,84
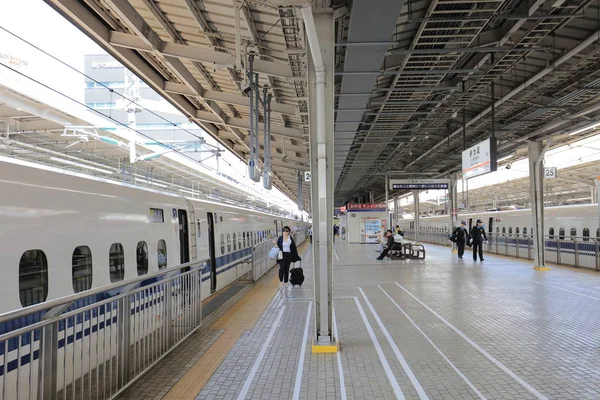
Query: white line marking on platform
481,396
336,256
579,288
386,366
261,355
396,350
339,360
567,290
503,367
300,369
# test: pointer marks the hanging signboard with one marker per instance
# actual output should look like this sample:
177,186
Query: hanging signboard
479,159
419,184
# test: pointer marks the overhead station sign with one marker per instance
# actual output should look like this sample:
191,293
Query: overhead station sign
419,184
479,159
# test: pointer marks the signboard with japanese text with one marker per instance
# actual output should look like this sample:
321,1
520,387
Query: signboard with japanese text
367,207
479,159
419,184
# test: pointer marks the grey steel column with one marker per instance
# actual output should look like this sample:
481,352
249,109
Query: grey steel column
396,211
417,216
387,200
536,188
452,192
322,211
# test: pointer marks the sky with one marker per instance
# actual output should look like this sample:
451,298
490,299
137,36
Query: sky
51,33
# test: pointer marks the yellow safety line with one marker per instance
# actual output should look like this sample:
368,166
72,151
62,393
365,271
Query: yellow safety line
241,317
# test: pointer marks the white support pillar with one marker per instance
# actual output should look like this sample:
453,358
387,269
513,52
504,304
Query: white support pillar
452,193
387,201
320,33
417,216
536,156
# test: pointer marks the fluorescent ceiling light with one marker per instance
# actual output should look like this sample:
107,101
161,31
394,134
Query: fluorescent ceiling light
76,164
586,128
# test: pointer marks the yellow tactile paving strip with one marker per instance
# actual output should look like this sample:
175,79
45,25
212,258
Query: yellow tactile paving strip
239,318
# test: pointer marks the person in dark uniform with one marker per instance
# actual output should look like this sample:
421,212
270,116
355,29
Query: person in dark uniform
478,237
462,237
390,242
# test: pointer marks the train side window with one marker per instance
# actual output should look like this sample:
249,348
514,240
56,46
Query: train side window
198,228
141,257
551,233
524,231
81,262
222,243
229,242
510,231
116,262
162,254
33,277
517,231
497,229
503,230
234,242
561,233
240,240
573,232
598,233
586,234
244,239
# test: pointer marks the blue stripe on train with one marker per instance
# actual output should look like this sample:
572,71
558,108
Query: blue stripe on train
24,321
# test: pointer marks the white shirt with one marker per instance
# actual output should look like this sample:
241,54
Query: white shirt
287,244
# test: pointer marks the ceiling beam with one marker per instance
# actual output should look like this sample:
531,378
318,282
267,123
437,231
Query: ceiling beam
245,124
229,98
193,53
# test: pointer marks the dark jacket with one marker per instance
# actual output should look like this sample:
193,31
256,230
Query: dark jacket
462,234
293,249
478,234
390,242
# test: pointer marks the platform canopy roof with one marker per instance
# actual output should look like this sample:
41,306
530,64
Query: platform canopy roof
39,135
408,74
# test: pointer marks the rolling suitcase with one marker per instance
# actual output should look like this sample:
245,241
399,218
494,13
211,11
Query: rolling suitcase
297,276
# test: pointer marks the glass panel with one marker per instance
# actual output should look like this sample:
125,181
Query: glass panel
573,232
162,254
561,233
33,277
234,242
586,234
82,269
222,244
551,233
141,256
229,242
116,262
240,240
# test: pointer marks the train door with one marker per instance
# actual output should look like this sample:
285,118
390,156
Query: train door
276,229
490,226
184,240
211,252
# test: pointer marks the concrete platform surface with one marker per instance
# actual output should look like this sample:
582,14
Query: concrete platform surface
440,328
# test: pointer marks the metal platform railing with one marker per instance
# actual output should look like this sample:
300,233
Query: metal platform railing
85,346
94,344
577,251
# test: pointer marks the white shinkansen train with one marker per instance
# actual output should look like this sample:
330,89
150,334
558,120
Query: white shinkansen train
64,234
513,228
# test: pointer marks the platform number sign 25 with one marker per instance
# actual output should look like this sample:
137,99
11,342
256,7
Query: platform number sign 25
549,172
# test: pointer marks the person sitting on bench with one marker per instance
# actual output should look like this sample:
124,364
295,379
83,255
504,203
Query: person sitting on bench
390,243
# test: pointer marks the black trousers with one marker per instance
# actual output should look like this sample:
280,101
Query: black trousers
461,247
477,247
384,253
284,267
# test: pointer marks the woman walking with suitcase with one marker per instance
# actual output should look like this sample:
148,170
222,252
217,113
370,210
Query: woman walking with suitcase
289,253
